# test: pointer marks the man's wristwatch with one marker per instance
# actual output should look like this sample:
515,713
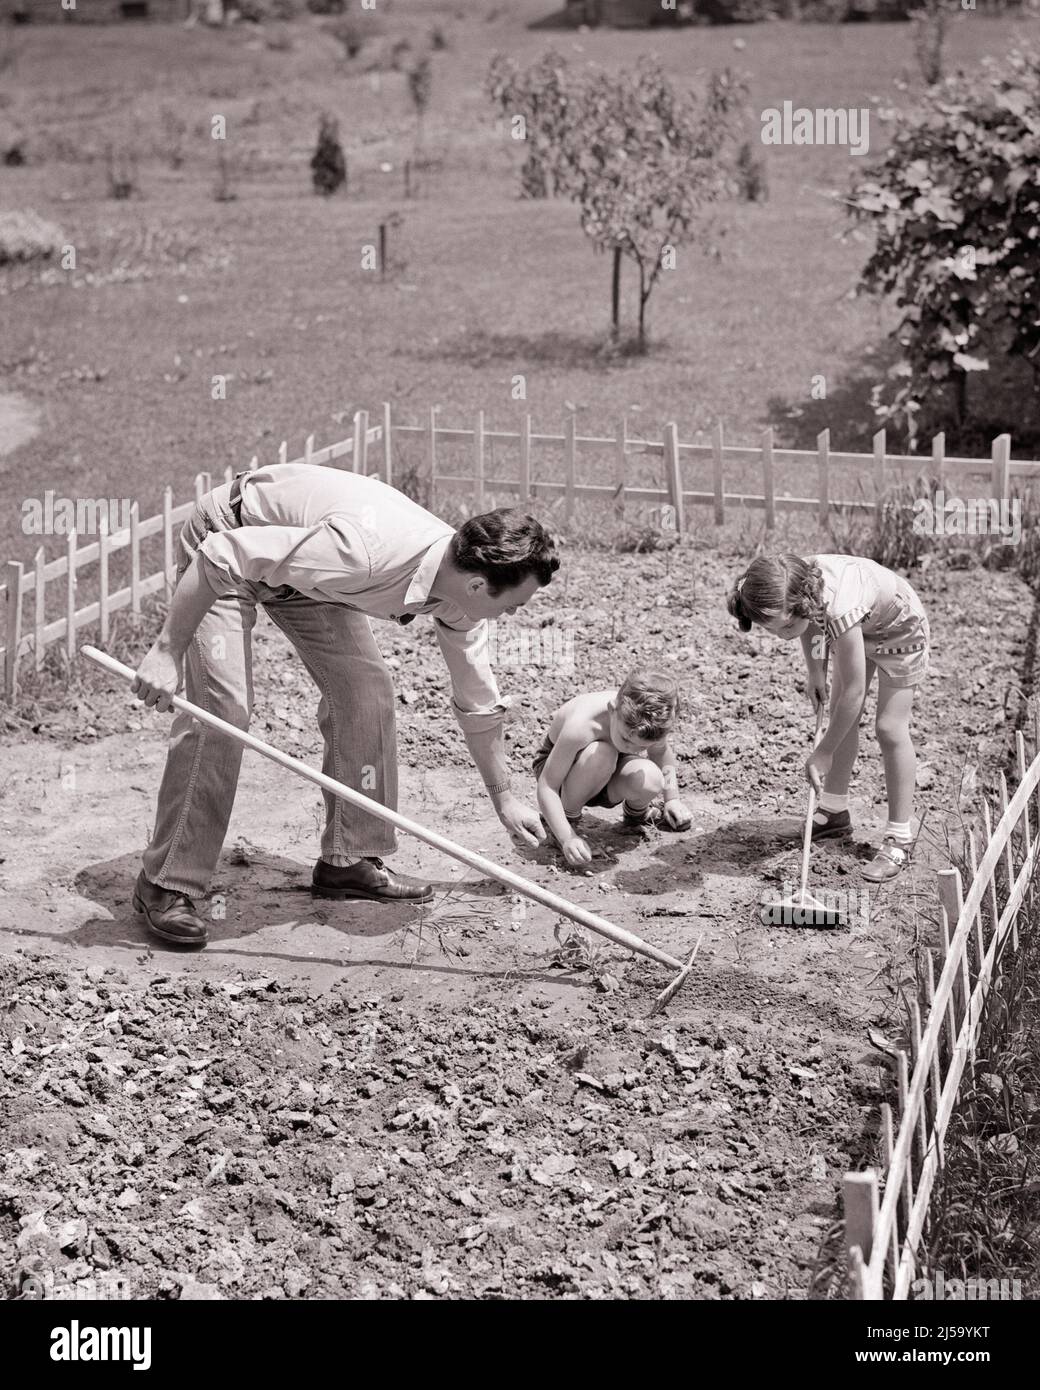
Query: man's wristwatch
497,788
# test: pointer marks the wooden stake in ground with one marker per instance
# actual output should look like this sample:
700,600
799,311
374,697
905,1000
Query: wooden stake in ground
595,923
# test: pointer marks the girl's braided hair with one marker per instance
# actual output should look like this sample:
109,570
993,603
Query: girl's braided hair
776,584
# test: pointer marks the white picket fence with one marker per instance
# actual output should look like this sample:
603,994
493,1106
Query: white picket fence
883,1232
823,465
612,466
27,588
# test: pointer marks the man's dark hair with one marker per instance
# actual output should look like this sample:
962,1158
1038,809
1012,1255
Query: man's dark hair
505,546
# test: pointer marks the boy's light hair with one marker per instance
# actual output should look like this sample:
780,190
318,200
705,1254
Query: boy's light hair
648,704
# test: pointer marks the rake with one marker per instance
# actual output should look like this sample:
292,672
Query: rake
811,911
591,920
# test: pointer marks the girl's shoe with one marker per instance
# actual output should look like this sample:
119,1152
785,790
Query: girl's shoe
890,861
834,825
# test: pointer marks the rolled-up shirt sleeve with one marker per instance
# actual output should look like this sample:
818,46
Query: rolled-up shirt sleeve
328,558
476,701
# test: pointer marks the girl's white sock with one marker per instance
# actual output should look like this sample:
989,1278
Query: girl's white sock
831,801
898,830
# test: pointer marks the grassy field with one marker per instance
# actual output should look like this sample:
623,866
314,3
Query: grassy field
173,287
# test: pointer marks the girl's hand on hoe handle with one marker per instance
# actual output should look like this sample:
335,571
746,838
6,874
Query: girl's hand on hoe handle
816,689
817,768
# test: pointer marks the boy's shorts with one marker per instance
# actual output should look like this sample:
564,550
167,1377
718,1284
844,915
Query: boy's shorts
601,798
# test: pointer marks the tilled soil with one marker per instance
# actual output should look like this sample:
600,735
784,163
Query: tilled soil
347,1100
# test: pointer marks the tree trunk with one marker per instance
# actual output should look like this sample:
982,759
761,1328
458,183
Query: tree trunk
615,292
961,396
644,295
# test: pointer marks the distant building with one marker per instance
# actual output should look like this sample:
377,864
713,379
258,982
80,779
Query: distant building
92,11
627,14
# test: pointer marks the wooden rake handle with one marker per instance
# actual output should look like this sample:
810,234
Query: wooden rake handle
807,837
534,891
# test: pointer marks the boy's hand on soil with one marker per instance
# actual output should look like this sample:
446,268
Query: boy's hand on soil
817,768
523,823
577,853
159,677
676,814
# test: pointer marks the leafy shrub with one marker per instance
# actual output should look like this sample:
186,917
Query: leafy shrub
26,237
955,202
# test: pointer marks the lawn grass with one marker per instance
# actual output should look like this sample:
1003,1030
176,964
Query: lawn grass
174,288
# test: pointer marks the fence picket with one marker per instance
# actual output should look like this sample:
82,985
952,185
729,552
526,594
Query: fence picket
70,596
915,1049
980,944
525,458
938,456
717,483
673,475
620,466
12,626
823,454
433,458
40,600
861,1212
1009,858
768,478
104,547
169,568
361,443
1027,834
135,560
936,1090
283,451
478,461
388,453
879,466
570,434
888,1142
1001,466
903,1091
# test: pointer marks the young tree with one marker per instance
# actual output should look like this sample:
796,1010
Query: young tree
955,203
420,86
328,163
643,161
538,106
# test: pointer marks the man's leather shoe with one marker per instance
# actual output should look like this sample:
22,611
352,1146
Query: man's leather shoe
169,915
368,878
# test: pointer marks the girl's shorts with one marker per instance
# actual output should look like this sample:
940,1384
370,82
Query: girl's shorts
903,652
